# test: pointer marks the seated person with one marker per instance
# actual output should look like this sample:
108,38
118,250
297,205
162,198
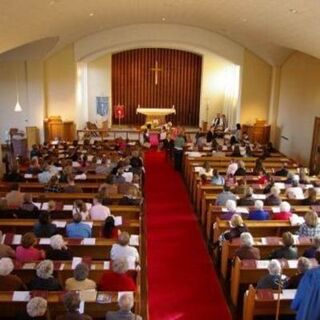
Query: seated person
35,152
311,226
231,206
109,230
271,280
126,302
5,250
45,176
36,309
80,280
258,213
241,188
304,265
58,249
225,195
28,204
274,198
80,207
71,301
246,249
232,168
27,251
311,200
237,228
294,192
13,175
44,228
217,179
44,279
72,187
53,185
206,169
230,180
284,213
288,251
99,211
14,197
241,171
78,229
34,167
8,281
132,197
123,249
311,252
118,279
136,161
263,178
248,199
283,172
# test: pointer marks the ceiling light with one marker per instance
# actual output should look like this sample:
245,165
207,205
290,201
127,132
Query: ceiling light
294,11
163,19
91,14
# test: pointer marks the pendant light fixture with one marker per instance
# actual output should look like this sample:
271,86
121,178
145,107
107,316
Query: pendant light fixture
17,107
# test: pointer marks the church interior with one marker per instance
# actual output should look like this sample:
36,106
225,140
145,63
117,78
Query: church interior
160,160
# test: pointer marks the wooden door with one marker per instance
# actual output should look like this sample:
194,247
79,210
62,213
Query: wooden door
315,151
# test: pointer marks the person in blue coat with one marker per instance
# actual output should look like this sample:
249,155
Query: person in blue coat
258,213
307,300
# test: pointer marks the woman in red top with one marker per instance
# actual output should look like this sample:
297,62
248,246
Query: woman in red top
27,251
118,279
284,213
109,230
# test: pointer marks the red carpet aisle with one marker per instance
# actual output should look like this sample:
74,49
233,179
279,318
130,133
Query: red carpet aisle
182,282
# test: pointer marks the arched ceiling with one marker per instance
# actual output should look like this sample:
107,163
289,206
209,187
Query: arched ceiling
270,28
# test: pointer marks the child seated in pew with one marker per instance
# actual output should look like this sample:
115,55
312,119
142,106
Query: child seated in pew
288,251
271,280
80,280
258,213
118,279
246,249
80,207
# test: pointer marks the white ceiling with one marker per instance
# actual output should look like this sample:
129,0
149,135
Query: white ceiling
267,27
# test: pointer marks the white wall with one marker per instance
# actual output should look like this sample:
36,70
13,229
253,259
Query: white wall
30,86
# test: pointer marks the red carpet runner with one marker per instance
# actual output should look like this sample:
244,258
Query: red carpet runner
181,279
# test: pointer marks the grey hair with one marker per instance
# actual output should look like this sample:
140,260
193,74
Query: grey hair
120,265
275,191
81,272
6,266
231,205
285,206
126,302
57,242
304,264
246,239
274,267
45,269
37,307
258,204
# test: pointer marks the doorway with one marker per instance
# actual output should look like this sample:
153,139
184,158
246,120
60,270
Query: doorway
315,151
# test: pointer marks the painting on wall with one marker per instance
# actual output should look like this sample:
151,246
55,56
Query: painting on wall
102,106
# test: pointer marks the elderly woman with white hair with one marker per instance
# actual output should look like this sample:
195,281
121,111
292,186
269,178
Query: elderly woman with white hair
303,266
123,249
119,279
80,279
284,213
58,249
126,303
8,281
231,207
44,279
273,199
246,249
271,280
258,213
36,309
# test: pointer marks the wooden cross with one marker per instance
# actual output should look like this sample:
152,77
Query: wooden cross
156,69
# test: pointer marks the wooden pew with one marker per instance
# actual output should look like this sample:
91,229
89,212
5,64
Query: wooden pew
256,228
265,245
22,226
247,272
257,305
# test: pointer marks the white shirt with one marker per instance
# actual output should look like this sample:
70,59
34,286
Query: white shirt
294,193
232,168
99,212
118,251
203,171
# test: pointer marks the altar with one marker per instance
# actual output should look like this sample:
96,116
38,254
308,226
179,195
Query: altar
156,114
